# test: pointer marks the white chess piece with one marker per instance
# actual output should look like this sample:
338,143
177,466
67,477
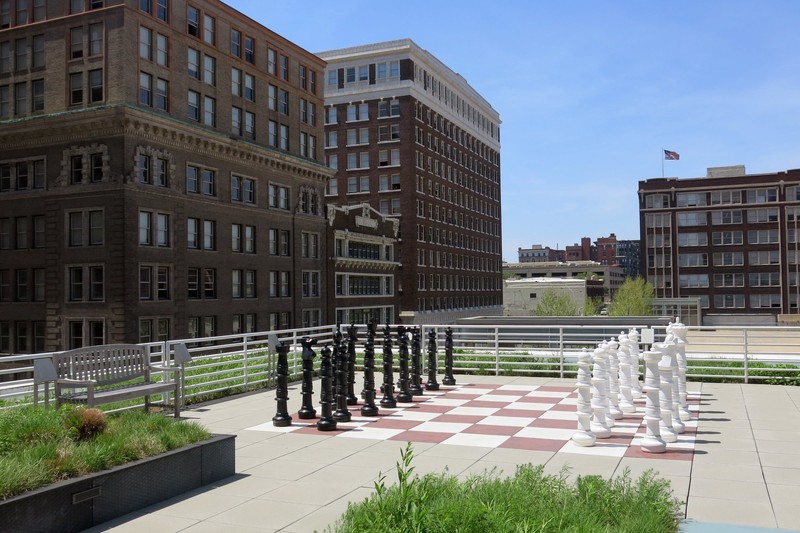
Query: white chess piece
624,356
599,425
652,442
584,435
613,380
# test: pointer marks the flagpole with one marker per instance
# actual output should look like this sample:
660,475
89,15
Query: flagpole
662,161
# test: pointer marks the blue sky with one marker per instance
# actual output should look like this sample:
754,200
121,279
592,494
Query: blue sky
590,92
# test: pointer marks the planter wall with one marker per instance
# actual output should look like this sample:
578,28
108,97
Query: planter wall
80,503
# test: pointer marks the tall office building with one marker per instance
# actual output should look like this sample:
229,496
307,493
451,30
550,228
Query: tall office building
729,239
411,137
160,174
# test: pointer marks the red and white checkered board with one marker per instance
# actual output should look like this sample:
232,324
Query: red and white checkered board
525,417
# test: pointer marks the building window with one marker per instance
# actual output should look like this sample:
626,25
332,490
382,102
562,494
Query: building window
145,89
390,108
728,259
692,218
387,158
389,183
310,245
310,282
193,21
724,301
236,42
763,236
357,184
193,106
96,85
86,283
760,196
690,199
726,197
283,141
76,42
284,67
193,57
145,43
209,111
357,112
95,39
726,238
209,29
330,115
162,95
85,228
209,70
726,217
209,235
389,133
390,207
250,49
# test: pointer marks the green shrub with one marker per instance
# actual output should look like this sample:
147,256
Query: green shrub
528,501
40,446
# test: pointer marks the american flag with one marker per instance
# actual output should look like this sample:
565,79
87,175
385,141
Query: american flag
669,155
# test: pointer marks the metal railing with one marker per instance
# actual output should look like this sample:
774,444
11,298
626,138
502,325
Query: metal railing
232,364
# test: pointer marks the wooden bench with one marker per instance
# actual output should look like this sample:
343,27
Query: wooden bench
111,373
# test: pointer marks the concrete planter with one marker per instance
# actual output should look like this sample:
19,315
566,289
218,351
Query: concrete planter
80,503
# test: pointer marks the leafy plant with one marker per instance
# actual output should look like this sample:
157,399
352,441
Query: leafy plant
527,501
633,298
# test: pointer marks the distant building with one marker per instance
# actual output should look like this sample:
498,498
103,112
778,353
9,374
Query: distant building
610,275
581,252
521,296
538,254
606,250
629,254
730,239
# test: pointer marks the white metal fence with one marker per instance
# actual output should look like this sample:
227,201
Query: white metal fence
237,363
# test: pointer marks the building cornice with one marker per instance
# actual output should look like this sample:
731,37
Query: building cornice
109,121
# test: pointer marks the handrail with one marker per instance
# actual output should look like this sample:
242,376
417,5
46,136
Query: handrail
233,363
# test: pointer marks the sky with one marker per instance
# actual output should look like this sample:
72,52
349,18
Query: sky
589,92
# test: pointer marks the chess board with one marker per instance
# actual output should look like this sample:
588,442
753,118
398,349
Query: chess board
525,417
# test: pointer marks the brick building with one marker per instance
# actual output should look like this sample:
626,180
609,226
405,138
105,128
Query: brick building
412,138
729,239
160,174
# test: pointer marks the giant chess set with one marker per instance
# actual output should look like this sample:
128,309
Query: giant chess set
614,409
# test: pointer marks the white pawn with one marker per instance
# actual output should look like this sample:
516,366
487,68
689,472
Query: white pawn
625,398
599,424
636,386
613,380
652,442
584,435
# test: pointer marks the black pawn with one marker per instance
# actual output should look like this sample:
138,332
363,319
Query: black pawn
432,384
369,408
352,334
388,378
404,395
416,363
448,358
307,410
282,418
326,422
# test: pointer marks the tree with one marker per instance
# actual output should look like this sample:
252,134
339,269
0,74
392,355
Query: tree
556,304
634,298
592,306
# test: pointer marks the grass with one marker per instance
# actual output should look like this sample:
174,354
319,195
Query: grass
41,446
526,502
